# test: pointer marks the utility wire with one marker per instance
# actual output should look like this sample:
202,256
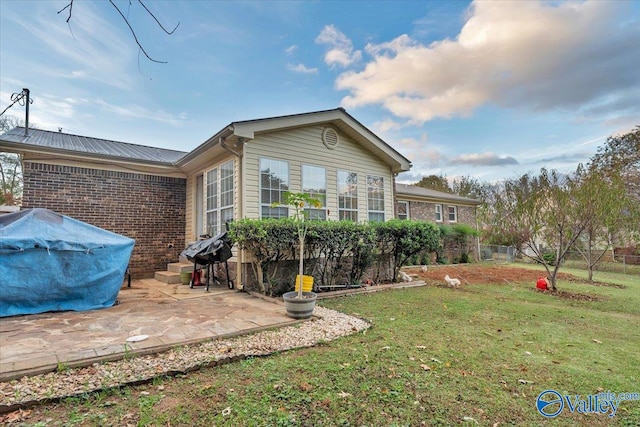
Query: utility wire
17,98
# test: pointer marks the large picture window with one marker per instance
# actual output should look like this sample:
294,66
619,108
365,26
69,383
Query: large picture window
274,181
219,197
347,196
375,197
314,184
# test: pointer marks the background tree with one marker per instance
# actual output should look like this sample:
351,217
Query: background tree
604,203
543,212
435,182
10,166
467,186
620,157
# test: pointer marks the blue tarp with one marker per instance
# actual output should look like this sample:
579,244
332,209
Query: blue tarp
51,262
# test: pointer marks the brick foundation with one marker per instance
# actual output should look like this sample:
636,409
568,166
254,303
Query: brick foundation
147,208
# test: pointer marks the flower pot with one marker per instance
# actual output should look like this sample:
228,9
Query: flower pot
307,283
185,277
299,308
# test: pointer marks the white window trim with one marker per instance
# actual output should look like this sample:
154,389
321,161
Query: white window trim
217,228
455,213
370,211
261,204
338,194
324,206
441,212
406,203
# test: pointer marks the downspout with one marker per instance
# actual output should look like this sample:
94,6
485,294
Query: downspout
240,195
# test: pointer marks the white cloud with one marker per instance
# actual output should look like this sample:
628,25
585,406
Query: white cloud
340,47
537,55
48,111
301,68
291,49
89,47
419,151
483,159
134,111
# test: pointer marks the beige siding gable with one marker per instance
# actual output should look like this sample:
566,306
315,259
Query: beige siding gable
304,146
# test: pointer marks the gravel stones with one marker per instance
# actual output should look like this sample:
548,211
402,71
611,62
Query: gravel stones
327,326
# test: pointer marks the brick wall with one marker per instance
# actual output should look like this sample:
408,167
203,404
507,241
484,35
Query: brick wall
466,215
427,211
147,208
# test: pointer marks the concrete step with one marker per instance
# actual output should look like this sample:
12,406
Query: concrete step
168,277
179,267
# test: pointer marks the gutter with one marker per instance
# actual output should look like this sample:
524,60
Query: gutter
209,143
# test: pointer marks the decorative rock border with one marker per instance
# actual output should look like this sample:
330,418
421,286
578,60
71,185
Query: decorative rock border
328,325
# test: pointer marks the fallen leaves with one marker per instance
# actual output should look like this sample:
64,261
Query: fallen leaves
15,416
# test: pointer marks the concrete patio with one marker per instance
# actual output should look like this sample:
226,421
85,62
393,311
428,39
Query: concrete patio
170,315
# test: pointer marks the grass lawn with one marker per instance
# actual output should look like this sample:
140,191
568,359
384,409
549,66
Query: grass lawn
478,355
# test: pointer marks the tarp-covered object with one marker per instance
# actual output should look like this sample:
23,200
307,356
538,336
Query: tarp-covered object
207,251
51,262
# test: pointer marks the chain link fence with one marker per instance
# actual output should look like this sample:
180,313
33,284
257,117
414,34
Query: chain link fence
610,262
491,253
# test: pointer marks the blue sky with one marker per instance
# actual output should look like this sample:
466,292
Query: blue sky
488,89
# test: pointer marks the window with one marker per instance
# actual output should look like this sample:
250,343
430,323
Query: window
403,210
347,196
438,213
274,181
219,197
375,197
226,194
453,214
314,184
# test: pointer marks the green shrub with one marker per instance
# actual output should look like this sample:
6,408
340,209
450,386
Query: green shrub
486,253
332,244
269,241
549,258
402,239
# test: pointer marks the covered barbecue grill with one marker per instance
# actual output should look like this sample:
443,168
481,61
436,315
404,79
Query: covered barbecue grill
207,253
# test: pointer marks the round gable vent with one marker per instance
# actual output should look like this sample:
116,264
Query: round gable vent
330,138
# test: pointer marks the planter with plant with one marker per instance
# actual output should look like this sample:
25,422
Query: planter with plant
300,304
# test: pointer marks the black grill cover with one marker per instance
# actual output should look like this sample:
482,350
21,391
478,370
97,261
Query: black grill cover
208,251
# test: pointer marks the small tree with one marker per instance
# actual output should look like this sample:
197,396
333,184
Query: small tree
299,201
544,211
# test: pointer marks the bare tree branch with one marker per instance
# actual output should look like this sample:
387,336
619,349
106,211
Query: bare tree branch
70,6
134,35
158,22
126,21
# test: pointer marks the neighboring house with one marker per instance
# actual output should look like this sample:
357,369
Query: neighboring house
165,199
414,202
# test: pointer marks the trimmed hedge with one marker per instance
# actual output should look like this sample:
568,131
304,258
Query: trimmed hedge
338,252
